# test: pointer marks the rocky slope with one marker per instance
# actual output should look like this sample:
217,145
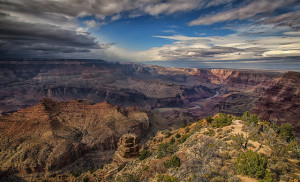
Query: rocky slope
281,101
203,151
53,135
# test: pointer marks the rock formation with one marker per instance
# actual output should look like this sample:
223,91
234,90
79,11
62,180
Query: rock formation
127,148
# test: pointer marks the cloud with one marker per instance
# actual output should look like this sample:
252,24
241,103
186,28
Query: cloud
91,23
241,13
292,33
31,32
224,48
291,19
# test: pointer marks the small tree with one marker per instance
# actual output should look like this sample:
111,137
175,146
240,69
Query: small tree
145,154
208,119
246,116
252,164
286,132
172,163
177,135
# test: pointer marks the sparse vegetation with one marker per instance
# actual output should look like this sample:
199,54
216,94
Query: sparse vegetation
166,178
184,138
76,173
145,154
168,134
166,148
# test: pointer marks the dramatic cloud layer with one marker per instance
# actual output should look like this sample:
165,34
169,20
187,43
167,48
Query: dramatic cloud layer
243,12
210,31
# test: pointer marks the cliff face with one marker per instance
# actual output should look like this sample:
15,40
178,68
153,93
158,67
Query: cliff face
281,101
24,83
243,79
52,135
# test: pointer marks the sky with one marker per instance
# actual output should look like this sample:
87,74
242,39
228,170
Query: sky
245,34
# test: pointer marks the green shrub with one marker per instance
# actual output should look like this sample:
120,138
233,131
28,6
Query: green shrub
250,118
222,120
197,127
253,118
166,148
269,177
168,134
172,163
122,166
286,132
172,140
177,135
166,178
92,170
252,164
246,116
208,119
184,138
187,130
182,125
145,154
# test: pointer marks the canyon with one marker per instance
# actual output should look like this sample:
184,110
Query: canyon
59,116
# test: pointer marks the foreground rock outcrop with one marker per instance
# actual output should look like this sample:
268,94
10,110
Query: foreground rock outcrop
127,148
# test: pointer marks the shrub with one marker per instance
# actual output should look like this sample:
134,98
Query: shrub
269,177
76,173
286,132
204,159
209,119
222,120
145,154
166,178
165,149
252,164
177,135
246,116
85,179
187,130
168,134
172,163
295,149
182,125
239,141
250,118
92,170
172,140
184,138
121,167
197,127
131,177
253,119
